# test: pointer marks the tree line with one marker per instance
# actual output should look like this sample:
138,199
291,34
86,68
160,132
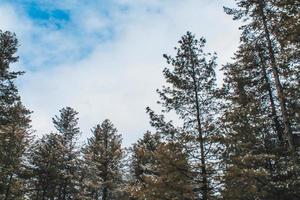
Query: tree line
239,141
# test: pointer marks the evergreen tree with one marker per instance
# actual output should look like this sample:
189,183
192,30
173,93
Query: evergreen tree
174,180
191,94
143,163
246,133
55,160
67,126
14,123
261,94
256,164
160,170
274,24
102,158
45,164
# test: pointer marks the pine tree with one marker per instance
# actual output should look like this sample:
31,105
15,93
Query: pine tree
274,24
45,164
160,170
54,160
14,123
67,126
256,163
143,163
174,180
191,94
261,102
102,158
247,132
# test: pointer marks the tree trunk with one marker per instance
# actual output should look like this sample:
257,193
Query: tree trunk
203,164
65,190
279,89
7,192
276,122
104,195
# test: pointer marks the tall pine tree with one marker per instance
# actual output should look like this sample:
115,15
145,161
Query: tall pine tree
55,160
191,94
261,91
14,123
274,24
102,163
67,126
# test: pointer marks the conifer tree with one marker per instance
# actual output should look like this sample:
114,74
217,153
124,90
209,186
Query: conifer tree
160,170
174,180
143,163
142,158
191,94
14,123
274,24
67,126
54,160
254,157
261,100
45,164
246,133
102,163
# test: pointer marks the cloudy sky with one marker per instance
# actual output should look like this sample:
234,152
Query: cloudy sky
104,57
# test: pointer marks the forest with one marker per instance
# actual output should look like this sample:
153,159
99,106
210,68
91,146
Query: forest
237,141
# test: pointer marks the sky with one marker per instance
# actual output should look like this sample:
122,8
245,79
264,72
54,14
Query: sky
104,57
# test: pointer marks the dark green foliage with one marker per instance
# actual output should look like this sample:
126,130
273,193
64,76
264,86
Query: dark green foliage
255,158
14,123
260,114
9,93
263,21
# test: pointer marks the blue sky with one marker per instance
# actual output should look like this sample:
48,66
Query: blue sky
104,57
60,18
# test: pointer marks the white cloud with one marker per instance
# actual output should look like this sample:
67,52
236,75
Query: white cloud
118,79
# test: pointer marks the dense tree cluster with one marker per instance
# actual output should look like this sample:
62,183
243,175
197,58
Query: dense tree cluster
237,141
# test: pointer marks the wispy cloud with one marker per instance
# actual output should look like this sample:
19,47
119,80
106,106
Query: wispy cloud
104,59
